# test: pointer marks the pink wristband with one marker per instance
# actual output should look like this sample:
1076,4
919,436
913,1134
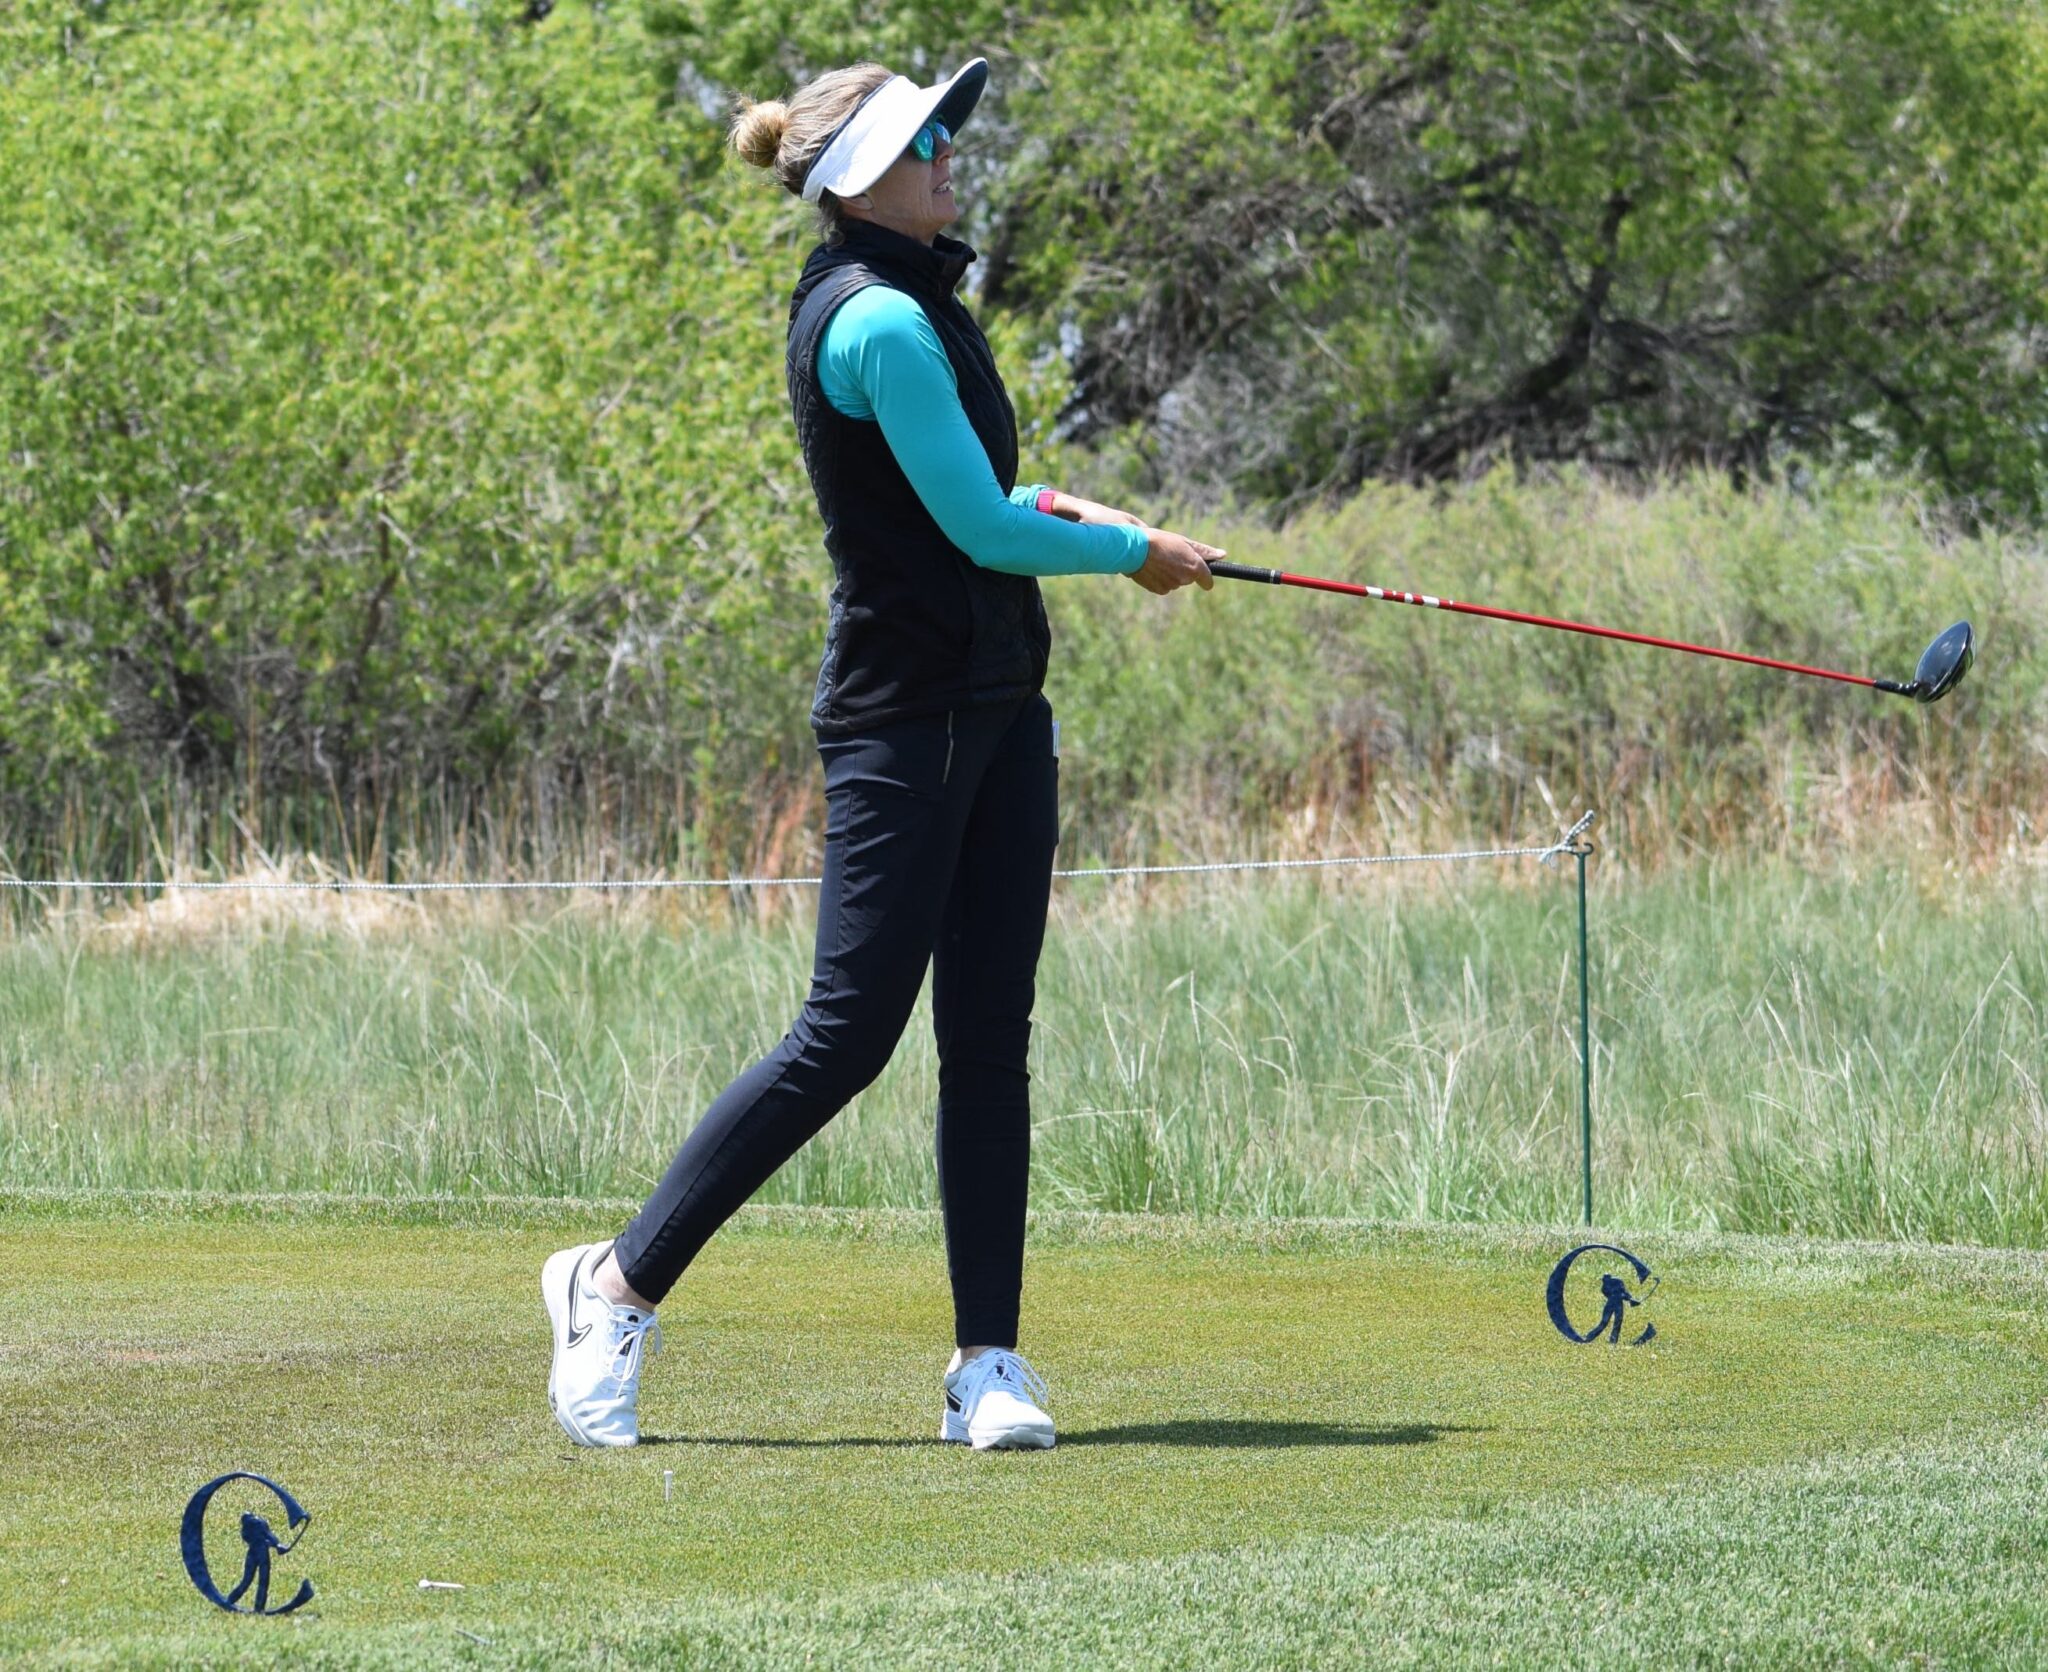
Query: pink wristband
1045,500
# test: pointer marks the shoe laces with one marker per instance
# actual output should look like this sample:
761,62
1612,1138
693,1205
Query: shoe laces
633,1332
1005,1368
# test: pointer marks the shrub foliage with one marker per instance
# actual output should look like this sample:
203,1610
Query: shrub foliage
390,394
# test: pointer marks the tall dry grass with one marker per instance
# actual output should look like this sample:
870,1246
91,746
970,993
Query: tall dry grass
1851,1052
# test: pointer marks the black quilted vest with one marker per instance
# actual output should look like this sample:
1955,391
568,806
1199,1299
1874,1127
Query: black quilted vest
917,626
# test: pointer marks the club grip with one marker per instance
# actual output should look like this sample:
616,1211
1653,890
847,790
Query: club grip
1244,572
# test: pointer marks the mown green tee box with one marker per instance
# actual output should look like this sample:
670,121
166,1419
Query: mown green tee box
1219,1389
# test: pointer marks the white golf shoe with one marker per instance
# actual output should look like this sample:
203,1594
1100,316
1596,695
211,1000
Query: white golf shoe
594,1384
992,1404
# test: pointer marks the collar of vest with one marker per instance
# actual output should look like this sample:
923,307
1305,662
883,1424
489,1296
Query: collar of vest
942,263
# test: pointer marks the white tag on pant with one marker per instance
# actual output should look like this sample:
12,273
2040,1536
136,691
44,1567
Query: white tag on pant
1055,740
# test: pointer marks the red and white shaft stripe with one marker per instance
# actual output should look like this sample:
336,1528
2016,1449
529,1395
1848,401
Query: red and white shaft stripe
1390,595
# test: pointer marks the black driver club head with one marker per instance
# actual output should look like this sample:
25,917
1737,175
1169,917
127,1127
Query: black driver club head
1943,664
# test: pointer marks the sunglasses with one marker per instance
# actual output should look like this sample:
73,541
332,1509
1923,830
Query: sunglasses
929,138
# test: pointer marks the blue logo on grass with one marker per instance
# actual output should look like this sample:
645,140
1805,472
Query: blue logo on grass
1614,1294
259,1541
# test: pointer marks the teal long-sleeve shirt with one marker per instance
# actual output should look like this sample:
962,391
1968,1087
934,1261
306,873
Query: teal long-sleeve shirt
881,361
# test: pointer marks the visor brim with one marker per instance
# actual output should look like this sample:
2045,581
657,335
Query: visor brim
882,129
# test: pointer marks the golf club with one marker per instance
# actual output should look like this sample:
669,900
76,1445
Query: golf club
1942,664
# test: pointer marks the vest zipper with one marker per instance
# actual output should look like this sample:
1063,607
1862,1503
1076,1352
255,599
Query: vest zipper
946,775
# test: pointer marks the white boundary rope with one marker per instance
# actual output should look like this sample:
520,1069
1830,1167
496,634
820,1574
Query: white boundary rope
1564,844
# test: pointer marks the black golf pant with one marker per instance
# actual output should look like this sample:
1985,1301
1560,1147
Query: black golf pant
939,835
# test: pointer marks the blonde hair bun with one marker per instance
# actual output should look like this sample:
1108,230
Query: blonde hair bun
757,132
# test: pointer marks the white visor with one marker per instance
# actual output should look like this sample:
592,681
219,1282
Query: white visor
883,125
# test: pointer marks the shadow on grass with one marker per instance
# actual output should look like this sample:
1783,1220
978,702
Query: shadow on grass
1224,1432
1213,1432
781,1442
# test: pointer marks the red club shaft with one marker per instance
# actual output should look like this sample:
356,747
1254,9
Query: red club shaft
1387,595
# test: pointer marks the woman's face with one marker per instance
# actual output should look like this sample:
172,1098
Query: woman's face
914,198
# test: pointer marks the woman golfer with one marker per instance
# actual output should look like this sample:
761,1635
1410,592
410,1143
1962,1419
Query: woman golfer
941,784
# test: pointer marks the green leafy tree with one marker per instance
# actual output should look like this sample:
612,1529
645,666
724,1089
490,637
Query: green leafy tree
391,390
1290,245
386,391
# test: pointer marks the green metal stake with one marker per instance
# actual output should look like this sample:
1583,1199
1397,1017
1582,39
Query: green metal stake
1580,853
